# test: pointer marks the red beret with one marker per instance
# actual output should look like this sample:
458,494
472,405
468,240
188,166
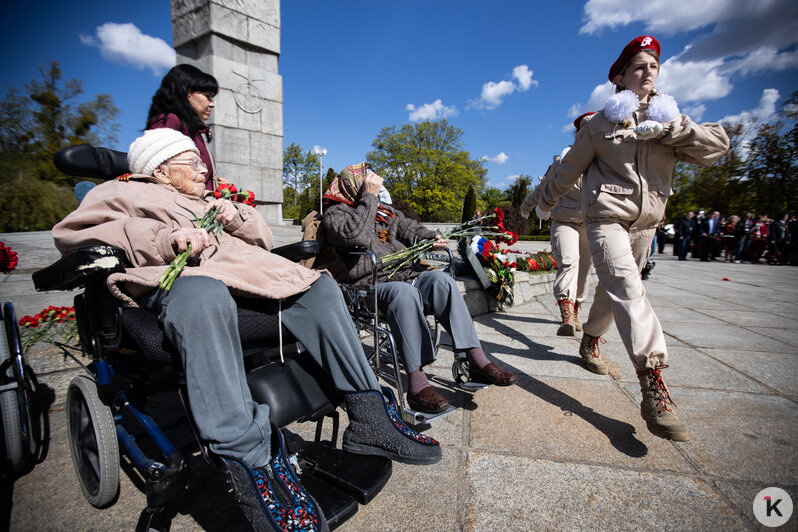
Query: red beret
578,121
644,42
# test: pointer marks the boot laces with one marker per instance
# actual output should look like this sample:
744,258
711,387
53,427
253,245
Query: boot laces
659,388
567,309
577,308
594,348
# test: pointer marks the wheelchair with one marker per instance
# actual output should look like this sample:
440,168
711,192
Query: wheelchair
380,348
128,360
21,430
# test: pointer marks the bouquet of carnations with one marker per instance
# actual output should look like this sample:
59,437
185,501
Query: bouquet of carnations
49,325
208,222
542,261
498,267
489,225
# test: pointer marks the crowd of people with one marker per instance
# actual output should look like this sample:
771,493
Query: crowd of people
732,238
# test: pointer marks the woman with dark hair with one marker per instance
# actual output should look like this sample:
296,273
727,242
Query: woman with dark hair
184,102
627,152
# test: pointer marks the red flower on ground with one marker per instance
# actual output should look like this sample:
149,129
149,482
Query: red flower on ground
8,259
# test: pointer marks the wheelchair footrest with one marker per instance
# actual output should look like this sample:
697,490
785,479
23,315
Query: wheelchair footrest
473,386
360,476
414,417
336,505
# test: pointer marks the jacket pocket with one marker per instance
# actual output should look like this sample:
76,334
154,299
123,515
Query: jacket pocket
617,189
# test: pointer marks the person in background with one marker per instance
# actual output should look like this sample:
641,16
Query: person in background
571,252
686,228
626,154
729,238
184,102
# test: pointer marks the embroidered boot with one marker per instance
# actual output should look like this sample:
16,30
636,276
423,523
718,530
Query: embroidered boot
657,406
271,496
375,428
589,351
567,314
577,322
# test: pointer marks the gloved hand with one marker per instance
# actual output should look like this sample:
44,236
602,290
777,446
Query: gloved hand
648,129
525,210
543,215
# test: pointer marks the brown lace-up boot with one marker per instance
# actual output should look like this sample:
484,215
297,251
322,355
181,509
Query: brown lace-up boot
577,322
567,314
657,406
589,351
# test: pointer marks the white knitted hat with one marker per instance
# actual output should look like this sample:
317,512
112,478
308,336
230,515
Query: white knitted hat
154,147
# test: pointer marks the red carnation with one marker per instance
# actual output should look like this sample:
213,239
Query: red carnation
8,259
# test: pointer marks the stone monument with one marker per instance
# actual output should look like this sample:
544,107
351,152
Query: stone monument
238,42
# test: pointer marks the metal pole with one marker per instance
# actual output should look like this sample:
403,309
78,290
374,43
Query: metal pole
321,209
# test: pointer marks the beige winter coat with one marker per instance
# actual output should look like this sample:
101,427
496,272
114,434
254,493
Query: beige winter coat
626,179
139,217
568,208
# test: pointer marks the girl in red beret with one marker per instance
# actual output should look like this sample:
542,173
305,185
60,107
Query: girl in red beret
627,152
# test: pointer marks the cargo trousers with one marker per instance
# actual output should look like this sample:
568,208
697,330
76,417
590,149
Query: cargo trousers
572,253
619,254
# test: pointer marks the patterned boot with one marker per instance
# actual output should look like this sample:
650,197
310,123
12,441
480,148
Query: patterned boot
567,314
577,322
375,428
589,351
271,496
657,406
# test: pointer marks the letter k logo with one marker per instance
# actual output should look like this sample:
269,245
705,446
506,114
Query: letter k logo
772,506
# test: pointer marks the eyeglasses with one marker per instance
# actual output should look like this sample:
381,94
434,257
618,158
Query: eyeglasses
195,163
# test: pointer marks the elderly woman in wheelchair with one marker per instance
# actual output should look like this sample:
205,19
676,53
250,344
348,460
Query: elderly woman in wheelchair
148,215
355,217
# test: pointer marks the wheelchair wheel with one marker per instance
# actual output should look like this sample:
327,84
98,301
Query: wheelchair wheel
460,370
15,401
92,440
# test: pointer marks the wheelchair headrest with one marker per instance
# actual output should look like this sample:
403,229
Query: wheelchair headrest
85,160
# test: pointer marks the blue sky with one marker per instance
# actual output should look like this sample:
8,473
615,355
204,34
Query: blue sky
511,74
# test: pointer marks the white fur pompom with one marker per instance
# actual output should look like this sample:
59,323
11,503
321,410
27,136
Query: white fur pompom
663,108
621,106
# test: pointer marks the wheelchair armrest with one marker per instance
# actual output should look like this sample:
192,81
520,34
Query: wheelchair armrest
81,265
298,250
85,160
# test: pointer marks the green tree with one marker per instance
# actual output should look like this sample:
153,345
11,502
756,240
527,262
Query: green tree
469,204
45,118
425,164
300,174
519,190
492,197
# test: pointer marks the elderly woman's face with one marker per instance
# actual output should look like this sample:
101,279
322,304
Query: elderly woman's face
186,172
640,75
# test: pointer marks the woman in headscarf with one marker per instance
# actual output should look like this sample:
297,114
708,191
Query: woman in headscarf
354,216
627,152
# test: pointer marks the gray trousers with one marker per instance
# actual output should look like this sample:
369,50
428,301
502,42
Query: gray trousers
200,318
404,306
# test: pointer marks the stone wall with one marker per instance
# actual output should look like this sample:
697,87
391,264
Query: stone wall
238,42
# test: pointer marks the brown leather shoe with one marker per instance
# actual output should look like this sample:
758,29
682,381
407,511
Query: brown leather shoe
492,374
428,401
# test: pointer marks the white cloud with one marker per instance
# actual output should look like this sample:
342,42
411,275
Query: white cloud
524,77
431,111
125,44
501,158
493,93
694,80
751,119
696,112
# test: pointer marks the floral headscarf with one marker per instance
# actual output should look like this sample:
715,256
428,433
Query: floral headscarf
346,185
345,188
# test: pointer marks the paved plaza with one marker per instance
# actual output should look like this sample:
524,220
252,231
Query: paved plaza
563,450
